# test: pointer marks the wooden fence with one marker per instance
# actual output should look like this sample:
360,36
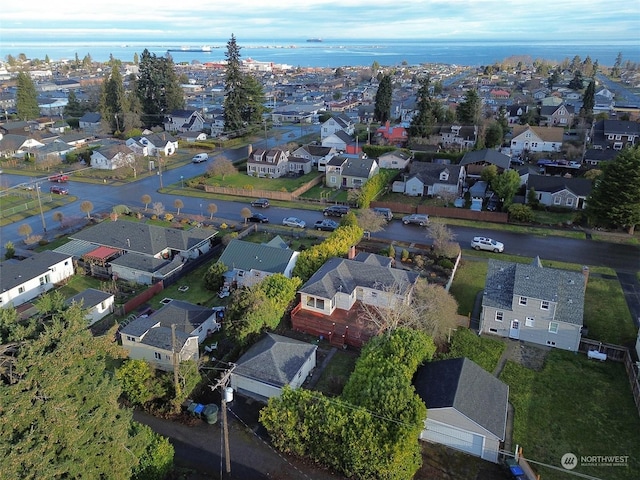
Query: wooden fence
446,212
617,353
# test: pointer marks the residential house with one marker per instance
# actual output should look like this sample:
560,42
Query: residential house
435,179
27,279
249,263
534,304
272,363
514,112
340,141
90,122
536,139
192,137
134,144
596,156
388,135
330,301
615,134
554,191
467,407
270,163
14,145
602,104
140,252
397,159
159,144
96,303
54,150
463,136
337,123
557,115
112,157
298,165
476,160
77,139
318,155
345,171
151,337
184,121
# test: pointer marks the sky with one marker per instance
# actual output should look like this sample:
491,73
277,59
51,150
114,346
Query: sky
131,20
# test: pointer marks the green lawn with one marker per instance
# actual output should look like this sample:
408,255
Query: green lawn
469,280
336,374
574,405
242,180
606,313
485,351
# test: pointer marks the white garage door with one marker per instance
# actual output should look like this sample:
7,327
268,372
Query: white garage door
453,437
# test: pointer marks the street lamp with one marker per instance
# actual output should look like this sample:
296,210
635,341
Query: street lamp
44,225
181,181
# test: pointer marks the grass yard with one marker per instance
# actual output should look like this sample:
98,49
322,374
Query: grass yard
484,351
335,375
79,283
242,180
574,405
469,280
606,313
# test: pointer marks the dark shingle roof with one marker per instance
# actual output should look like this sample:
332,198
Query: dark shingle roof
89,297
360,167
544,183
465,386
340,274
486,155
563,287
246,256
275,359
14,274
142,238
429,173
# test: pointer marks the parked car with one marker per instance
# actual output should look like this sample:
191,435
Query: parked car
416,219
201,157
384,212
294,222
517,161
326,225
493,204
258,218
335,211
59,178
59,190
260,202
486,243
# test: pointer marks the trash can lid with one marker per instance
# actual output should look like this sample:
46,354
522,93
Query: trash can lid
198,410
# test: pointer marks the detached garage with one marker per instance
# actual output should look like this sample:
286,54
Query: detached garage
466,407
272,363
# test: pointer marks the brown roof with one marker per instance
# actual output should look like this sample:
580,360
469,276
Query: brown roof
548,134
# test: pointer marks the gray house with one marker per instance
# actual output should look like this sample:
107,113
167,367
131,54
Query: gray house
345,171
272,363
560,191
434,179
467,406
96,303
534,303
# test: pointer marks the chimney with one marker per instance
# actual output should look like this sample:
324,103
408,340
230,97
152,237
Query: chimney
585,272
352,252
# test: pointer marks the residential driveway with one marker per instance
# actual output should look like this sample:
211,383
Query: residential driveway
201,447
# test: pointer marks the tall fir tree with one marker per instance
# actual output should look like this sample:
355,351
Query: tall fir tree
588,100
384,95
233,101
426,118
615,198
26,98
468,111
253,101
113,101
158,88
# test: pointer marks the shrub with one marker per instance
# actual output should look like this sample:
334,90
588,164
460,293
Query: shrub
168,217
445,263
405,255
520,213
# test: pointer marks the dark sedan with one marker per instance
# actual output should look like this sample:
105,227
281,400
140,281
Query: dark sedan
325,225
258,218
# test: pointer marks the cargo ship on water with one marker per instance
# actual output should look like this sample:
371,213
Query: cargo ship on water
314,40
204,48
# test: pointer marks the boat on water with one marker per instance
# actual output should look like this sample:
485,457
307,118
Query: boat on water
314,40
204,48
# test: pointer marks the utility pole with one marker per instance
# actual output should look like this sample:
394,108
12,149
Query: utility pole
222,384
44,225
176,383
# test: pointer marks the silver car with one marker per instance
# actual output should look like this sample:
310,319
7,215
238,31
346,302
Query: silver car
293,222
486,243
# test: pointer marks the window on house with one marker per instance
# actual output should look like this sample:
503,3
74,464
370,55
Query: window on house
20,289
529,322
374,294
544,305
130,338
332,179
523,301
556,200
66,262
550,343
499,316
102,306
553,327
320,303
157,355
493,330
200,329
569,202
41,280
311,302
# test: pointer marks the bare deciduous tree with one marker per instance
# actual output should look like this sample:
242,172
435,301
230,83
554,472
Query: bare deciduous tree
221,167
25,230
178,204
245,213
370,221
212,208
431,310
158,208
146,199
442,236
87,207
58,217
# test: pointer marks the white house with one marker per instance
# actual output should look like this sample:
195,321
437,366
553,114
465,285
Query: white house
467,407
159,143
98,304
112,157
434,179
150,338
184,121
270,364
335,124
536,139
398,159
29,278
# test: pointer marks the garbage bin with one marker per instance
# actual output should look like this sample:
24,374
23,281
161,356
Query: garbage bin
210,413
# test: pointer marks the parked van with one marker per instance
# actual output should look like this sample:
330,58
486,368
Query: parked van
384,212
201,157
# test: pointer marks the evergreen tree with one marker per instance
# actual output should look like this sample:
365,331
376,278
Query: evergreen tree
588,100
62,418
615,71
26,98
576,81
428,110
553,79
233,102
383,100
468,112
73,108
113,102
157,88
253,104
493,136
615,198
